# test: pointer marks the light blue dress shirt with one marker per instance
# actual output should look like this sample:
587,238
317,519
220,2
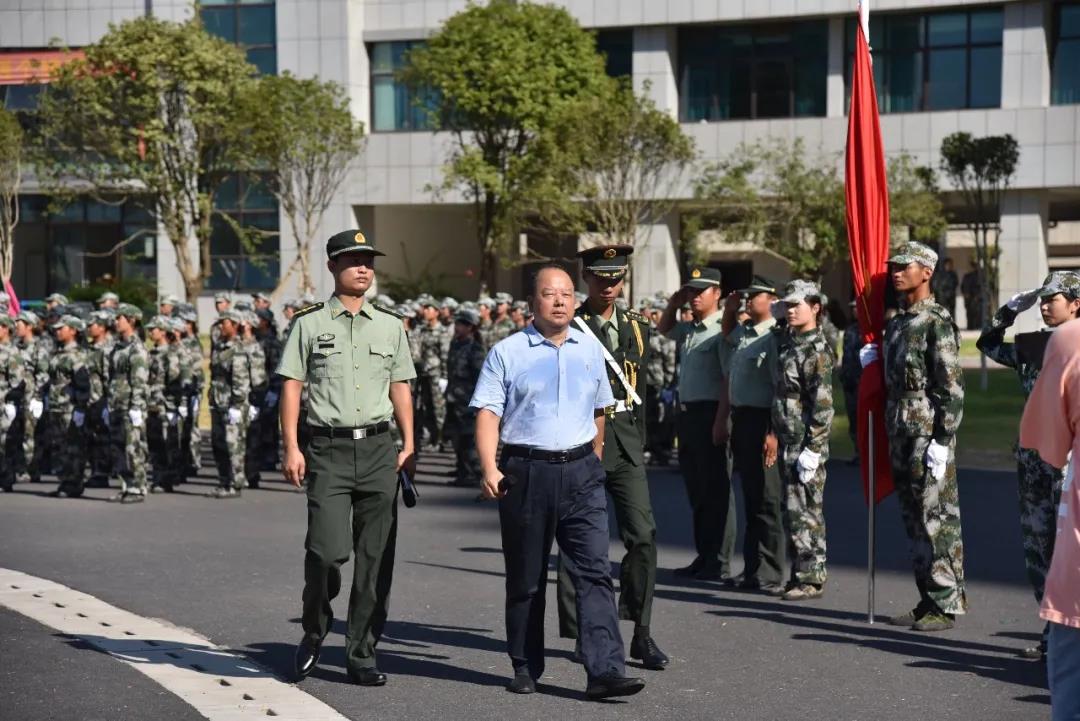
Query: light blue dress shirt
545,395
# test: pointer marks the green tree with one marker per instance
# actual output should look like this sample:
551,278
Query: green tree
308,139
11,167
497,74
915,209
153,111
982,170
617,160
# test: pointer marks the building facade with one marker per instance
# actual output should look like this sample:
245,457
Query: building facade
731,71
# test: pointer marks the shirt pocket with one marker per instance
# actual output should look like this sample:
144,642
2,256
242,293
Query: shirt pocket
382,356
326,365
914,417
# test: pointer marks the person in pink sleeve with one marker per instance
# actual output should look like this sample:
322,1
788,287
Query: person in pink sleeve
1051,426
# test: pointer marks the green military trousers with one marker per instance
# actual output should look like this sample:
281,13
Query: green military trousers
352,506
629,489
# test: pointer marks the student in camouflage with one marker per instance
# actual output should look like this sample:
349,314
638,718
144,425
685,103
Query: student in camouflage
659,391
35,355
924,406
98,443
12,388
431,371
802,415
164,391
255,417
269,438
190,435
502,325
67,403
1040,483
129,374
463,364
230,392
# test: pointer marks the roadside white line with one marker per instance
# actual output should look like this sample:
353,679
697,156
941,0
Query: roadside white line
220,685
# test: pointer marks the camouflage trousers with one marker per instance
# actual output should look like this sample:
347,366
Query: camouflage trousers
190,438
163,445
1040,494
66,443
253,448
29,437
229,443
432,409
98,443
129,450
804,517
931,513
9,441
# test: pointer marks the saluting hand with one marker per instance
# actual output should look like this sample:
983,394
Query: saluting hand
295,467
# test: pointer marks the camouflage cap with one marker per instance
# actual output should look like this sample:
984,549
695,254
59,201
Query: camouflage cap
158,322
1066,282
70,321
914,253
384,300
233,315
450,303
107,297
242,305
307,299
7,321
188,316
103,318
521,306
260,296
425,299
486,302
467,315
265,314
177,325
291,303
645,304
223,295
468,304
501,298
404,310
56,298
129,311
799,290
169,299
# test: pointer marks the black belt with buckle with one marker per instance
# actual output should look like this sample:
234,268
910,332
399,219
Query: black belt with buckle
355,433
535,454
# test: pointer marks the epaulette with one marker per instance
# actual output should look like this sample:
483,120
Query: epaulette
633,315
309,309
397,315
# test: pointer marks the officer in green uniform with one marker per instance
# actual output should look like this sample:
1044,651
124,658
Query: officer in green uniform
353,358
625,336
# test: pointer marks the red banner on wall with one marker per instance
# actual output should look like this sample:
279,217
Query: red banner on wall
37,66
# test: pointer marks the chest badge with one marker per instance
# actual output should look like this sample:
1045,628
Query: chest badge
325,338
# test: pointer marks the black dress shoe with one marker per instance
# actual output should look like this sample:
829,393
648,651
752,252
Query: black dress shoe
307,655
367,677
522,683
710,572
612,685
644,649
692,569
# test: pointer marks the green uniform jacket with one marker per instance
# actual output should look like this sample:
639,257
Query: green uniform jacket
632,353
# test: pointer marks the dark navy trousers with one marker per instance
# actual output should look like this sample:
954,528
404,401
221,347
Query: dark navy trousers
564,502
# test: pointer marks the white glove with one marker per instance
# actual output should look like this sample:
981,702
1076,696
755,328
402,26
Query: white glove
808,464
271,399
443,383
105,415
36,408
170,416
868,354
1022,301
136,417
10,411
78,417
234,416
182,409
195,406
937,459
253,413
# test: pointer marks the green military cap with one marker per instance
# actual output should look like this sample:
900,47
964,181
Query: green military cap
233,315
702,278
57,298
914,253
606,261
467,315
1065,282
71,321
129,311
799,290
108,296
450,303
759,285
350,241
501,298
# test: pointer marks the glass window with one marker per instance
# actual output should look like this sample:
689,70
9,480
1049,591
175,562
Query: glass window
220,22
393,105
617,47
249,24
769,71
21,97
1064,78
256,25
936,61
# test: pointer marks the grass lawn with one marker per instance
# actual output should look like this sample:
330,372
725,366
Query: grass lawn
988,431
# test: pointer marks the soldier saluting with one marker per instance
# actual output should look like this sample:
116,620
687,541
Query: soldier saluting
625,337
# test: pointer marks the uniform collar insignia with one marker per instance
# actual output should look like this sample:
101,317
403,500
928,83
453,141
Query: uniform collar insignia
325,337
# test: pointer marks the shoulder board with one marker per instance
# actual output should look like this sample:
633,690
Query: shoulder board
638,317
376,306
309,309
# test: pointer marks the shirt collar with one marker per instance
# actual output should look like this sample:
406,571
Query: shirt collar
918,306
535,338
710,321
337,308
761,327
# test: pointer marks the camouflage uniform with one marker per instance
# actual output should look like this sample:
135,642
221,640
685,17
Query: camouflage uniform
98,442
12,388
802,417
35,355
463,364
254,416
659,397
190,435
230,390
129,375
431,370
925,402
69,400
850,374
164,395
1039,483
500,329
269,439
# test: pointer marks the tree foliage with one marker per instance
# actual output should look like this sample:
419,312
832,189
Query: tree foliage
155,112
915,209
496,76
11,165
307,138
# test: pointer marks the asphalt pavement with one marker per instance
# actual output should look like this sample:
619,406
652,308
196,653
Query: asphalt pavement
232,571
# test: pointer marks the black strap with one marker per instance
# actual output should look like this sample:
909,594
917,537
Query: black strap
365,432
535,454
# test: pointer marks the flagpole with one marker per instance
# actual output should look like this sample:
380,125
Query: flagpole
871,554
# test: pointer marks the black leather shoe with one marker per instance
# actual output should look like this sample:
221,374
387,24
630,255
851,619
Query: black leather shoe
522,683
613,685
710,572
307,656
644,649
367,677
693,568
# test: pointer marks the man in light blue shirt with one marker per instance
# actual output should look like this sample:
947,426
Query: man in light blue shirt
543,393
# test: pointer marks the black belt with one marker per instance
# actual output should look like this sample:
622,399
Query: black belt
355,433
535,454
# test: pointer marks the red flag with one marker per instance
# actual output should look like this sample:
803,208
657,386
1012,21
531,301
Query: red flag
867,194
13,300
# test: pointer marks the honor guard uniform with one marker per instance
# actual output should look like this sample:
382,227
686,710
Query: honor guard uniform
349,363
625,338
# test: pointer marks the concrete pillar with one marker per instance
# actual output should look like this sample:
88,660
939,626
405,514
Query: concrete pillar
655,262
1025,62
654,65
834,83
1023,264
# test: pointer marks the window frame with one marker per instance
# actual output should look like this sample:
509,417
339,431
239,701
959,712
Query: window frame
1057,37
236,7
